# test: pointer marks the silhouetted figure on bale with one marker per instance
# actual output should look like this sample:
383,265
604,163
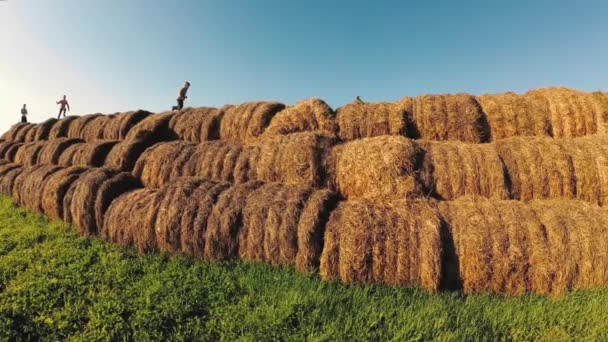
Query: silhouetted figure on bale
358,100
63,105
181,96
24,114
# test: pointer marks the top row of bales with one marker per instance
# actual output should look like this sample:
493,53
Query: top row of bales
554,112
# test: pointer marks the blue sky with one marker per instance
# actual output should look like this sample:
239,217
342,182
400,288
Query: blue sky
118,55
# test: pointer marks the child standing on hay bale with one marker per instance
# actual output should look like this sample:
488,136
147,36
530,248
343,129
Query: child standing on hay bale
63,105
24,114
358,100
181,96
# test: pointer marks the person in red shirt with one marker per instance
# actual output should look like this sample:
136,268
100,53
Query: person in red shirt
63,105
181,96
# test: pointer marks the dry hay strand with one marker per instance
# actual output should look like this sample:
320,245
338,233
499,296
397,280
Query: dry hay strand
298,158
600,101
61,127
305,116
365,120
129,220
197,124
155,166
155,125
537,168
119,126
124,154
22,134
55,189
499,246
27,154
53,149
33,186
44,129
77,127
450,117
572,113
576,243
6,146
511,115
377,167
225,221
245,122
90,195
91,154
8,174
452,169
11,134
95,128
394,242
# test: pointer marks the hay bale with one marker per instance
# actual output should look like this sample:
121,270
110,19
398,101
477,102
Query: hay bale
511,115
129,220
90,195
77,127
245,122
91,154
6,146
221,236
44,129
197,124
22,134
381,241
55,189
305,116
298,158
124,154
62,127
573,113
95,128
377,167
32,133
154,167
156,126
21,180
8,175
53,149
27,154
33,186
119,126
538,168
366,120
11,134
452,169
600,101
67,155
449,117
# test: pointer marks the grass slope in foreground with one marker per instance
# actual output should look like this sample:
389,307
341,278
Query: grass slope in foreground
55,285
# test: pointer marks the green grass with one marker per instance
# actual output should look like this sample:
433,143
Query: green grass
55,285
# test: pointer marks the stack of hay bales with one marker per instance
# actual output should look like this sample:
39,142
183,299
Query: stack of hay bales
27,154
197,124
245,122
305,116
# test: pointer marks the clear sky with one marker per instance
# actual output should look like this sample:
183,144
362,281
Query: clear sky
119,55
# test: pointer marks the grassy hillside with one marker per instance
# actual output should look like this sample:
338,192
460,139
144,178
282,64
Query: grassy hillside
55,285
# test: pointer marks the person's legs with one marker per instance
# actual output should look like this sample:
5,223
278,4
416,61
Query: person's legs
23,119
180,104
61,111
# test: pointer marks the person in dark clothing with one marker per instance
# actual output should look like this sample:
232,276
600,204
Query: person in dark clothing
63,103
181,96
358,100
24,114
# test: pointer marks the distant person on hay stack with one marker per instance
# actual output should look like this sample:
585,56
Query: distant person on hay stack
358,100
181,96
63,104
24,114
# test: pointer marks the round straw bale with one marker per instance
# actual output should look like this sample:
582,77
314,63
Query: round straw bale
27,154
7,178
119,126
44,129
6,146
124,154
91,154
600,101
129,220
67,155
156,126
512,115
452,169
195,216
55,189
225,221
154,167
76,127
62,127
245,122
377,167
298,158
53,149
450,117
11,134
33,186
22,133
197,124
111,189
394,242
500,246
538,168
305,116
365,120
21,180
95,128
32,133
